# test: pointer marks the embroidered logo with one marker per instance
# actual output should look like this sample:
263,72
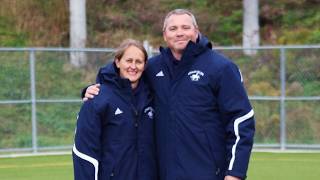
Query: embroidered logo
195,75
149,111
118,111
160,74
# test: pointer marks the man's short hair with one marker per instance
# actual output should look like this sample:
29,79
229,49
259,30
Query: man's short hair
179,12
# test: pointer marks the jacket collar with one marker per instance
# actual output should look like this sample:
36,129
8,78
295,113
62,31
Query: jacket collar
192,50
109,75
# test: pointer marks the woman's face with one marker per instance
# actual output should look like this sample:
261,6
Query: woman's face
131,65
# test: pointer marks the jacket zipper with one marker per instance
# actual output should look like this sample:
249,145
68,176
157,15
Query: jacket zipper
136,125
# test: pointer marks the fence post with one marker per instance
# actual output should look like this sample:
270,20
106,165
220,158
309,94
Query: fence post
283,138
148,47
33,102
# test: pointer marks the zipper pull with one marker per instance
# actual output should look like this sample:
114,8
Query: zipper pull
136,114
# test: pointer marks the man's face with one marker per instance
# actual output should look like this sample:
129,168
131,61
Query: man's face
179,31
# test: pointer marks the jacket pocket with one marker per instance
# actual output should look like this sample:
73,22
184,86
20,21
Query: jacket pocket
111,177
110,162
107,171
217,166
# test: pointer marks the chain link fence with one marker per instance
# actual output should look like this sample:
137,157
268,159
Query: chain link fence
40,95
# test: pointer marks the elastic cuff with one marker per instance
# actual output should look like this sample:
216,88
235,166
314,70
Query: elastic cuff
236,174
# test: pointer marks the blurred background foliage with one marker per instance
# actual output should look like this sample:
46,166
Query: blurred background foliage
46,22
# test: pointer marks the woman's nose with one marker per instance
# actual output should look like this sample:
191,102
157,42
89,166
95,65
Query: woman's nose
133,65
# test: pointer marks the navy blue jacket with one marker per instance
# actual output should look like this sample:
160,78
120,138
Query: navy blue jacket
204,120
114,136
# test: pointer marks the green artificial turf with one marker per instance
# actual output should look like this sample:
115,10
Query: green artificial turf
263,166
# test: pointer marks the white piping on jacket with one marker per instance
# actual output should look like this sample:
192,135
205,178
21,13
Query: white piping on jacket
93,161
236,131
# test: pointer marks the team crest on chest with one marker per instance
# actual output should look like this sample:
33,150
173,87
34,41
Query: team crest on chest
195,75
149,111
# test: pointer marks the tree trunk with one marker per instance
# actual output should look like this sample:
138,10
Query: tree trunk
250,36
78,31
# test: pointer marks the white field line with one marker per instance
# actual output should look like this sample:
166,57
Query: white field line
286,151
40,165
35,154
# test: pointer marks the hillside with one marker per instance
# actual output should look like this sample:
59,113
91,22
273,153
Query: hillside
46,22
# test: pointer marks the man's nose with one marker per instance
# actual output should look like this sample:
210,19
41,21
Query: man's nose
180,32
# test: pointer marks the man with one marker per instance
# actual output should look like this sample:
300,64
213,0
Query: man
204,120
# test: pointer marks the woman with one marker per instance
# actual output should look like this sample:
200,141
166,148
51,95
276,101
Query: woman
114,134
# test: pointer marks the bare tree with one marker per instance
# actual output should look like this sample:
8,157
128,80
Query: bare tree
251,37
78,31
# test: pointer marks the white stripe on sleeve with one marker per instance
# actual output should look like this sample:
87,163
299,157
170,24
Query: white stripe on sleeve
236,131
93,161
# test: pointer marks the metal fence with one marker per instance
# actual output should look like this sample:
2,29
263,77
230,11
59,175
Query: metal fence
40,95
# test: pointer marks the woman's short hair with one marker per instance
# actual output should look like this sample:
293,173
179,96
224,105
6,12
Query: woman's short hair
126,44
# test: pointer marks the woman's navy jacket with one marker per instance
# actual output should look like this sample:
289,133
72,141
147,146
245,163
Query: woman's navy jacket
114,138
204,120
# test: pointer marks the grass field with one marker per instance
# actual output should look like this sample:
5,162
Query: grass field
263,166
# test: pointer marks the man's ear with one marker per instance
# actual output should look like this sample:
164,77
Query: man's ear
164,36
198,32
